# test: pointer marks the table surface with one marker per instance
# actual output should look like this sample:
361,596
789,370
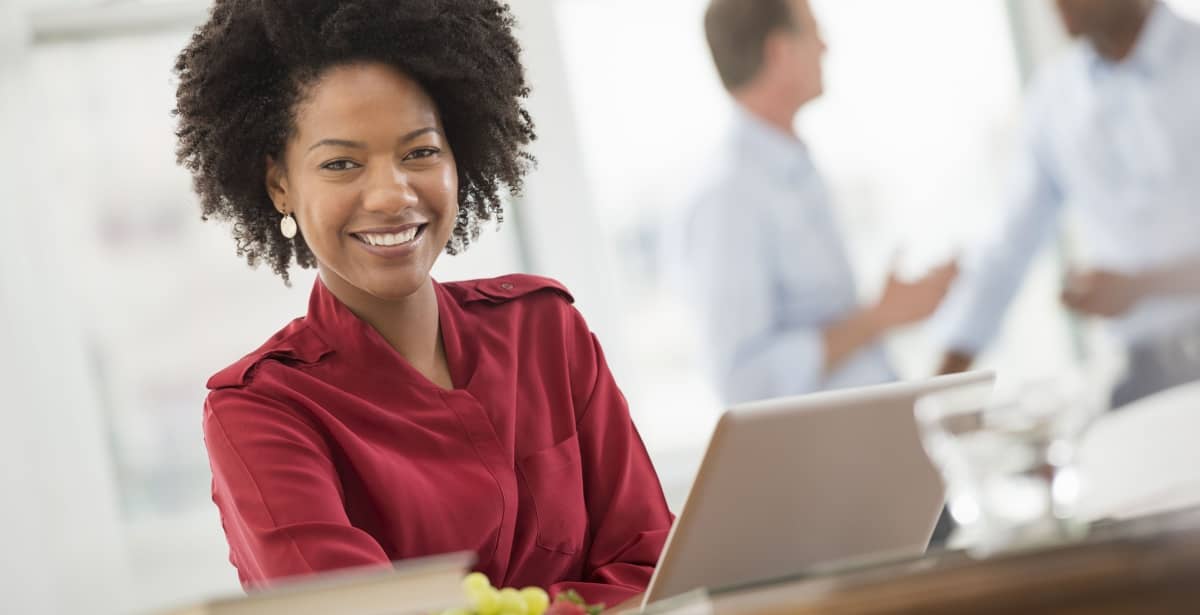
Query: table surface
1145,565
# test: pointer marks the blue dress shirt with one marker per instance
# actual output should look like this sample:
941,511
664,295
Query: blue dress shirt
1117,145
767,270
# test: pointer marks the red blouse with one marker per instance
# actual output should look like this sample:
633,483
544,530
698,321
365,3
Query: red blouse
329,450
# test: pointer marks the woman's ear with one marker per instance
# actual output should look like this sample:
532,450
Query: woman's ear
277,185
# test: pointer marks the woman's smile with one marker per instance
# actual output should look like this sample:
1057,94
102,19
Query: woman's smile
391,242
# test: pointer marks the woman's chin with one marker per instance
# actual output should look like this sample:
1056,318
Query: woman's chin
396,287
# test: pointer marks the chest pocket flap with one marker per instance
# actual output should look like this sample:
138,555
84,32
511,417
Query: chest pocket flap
554,477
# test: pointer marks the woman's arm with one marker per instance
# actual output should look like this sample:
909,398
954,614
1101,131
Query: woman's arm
278,492
627,512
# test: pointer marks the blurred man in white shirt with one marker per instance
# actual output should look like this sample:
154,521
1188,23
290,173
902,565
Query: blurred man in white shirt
765,262
1113,136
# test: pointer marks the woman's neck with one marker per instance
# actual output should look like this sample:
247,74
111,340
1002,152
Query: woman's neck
410,325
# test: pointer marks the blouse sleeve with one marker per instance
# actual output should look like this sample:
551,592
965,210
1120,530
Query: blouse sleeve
277,490
626,508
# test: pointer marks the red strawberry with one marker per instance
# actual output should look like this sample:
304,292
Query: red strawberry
565,607
571,603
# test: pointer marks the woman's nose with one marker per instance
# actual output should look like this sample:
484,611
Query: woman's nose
390,191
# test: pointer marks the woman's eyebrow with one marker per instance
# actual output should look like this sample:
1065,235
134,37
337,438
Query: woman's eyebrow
418,132
338,143
360,145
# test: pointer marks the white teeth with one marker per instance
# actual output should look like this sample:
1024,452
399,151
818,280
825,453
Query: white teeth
390,239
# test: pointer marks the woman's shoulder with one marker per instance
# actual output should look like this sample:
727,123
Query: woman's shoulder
295,344
518,288
514,307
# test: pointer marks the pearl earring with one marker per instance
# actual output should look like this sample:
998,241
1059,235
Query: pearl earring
287,226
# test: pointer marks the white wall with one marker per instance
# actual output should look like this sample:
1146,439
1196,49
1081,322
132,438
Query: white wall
62,551
1187,8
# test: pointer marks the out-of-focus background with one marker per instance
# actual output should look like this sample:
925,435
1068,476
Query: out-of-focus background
117,303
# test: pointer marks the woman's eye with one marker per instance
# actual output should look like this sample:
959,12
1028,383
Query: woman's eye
340,165
424,152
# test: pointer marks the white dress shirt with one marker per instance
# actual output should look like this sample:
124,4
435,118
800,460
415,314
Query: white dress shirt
1117,145
767,270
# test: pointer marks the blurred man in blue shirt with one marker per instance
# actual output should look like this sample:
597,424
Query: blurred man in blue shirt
765,261
1113,136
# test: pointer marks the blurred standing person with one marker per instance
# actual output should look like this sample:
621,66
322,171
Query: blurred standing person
1112,135
763,257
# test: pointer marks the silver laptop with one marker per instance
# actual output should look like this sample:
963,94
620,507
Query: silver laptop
787,484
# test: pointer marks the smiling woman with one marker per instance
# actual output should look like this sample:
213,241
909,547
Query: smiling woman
401,417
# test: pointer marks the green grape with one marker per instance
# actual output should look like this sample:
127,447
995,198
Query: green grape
457,612
487,602
536,599
475,582
512,602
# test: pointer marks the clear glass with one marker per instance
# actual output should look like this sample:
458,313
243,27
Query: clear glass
1009,459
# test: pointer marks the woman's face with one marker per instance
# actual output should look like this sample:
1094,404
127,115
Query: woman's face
371,180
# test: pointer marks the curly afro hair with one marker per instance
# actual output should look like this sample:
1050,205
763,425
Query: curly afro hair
245,71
